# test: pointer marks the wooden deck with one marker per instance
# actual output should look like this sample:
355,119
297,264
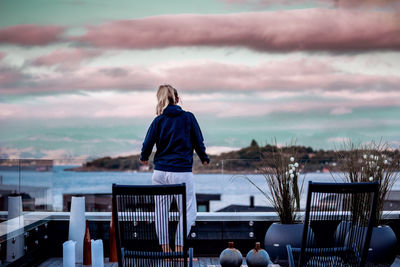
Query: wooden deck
201,262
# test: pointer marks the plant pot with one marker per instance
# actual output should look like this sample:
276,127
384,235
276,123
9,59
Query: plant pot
382,249
278,236
341,231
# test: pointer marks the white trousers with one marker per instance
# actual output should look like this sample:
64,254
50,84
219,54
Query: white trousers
163,204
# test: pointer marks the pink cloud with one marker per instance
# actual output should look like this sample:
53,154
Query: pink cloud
237,107
30,34
254,4
284,75
141,105
2,55
365,4
388,4
288,75
8,76
66,57
307,29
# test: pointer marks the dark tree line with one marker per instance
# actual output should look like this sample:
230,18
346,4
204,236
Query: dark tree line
248,159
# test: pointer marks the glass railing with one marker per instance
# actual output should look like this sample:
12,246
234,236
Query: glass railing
31,187
30,179
48,185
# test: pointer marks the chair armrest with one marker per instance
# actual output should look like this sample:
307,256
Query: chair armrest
290,255
190,252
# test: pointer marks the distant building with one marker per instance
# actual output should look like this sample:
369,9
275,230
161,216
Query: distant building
144,168
392,201
93,202
203,201
34,198
17,175
103,202
247,208
39,165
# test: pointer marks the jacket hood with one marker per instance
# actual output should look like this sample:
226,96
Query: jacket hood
172,110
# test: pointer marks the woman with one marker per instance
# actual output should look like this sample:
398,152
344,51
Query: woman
176,134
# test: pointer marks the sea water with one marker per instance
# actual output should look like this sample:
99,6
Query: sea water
234,189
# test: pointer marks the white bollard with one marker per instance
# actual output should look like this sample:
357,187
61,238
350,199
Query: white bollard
14,207
97,253
77,226
15,245
69,253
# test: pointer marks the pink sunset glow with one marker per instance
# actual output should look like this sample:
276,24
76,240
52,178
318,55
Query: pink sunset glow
81,78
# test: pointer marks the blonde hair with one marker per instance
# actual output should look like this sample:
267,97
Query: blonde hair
166,95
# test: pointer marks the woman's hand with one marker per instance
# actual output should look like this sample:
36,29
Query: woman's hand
144,162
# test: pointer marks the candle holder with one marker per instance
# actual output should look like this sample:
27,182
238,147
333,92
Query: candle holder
97,253
69,253
77,226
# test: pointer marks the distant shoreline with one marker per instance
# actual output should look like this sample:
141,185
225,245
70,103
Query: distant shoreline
95,169
247,160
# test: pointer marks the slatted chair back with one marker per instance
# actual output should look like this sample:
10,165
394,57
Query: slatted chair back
350,206
147,216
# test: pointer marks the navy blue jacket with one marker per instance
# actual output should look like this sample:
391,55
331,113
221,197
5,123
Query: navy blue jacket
176,133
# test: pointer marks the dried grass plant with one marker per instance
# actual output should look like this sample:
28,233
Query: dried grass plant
371,162
281,173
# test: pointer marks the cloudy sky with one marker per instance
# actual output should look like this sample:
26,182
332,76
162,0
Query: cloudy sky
78,78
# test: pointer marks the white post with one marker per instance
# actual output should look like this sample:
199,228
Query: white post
15,245
77,226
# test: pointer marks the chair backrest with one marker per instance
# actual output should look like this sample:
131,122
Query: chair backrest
146,216
350,206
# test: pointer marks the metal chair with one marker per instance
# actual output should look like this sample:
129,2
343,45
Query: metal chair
147,216
349,206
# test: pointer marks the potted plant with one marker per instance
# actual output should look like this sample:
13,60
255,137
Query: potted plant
281,172
375,161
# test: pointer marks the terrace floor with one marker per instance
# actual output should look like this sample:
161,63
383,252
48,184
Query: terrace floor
40,225
201,262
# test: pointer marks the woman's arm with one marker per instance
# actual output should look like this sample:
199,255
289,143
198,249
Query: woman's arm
148,143
198,142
